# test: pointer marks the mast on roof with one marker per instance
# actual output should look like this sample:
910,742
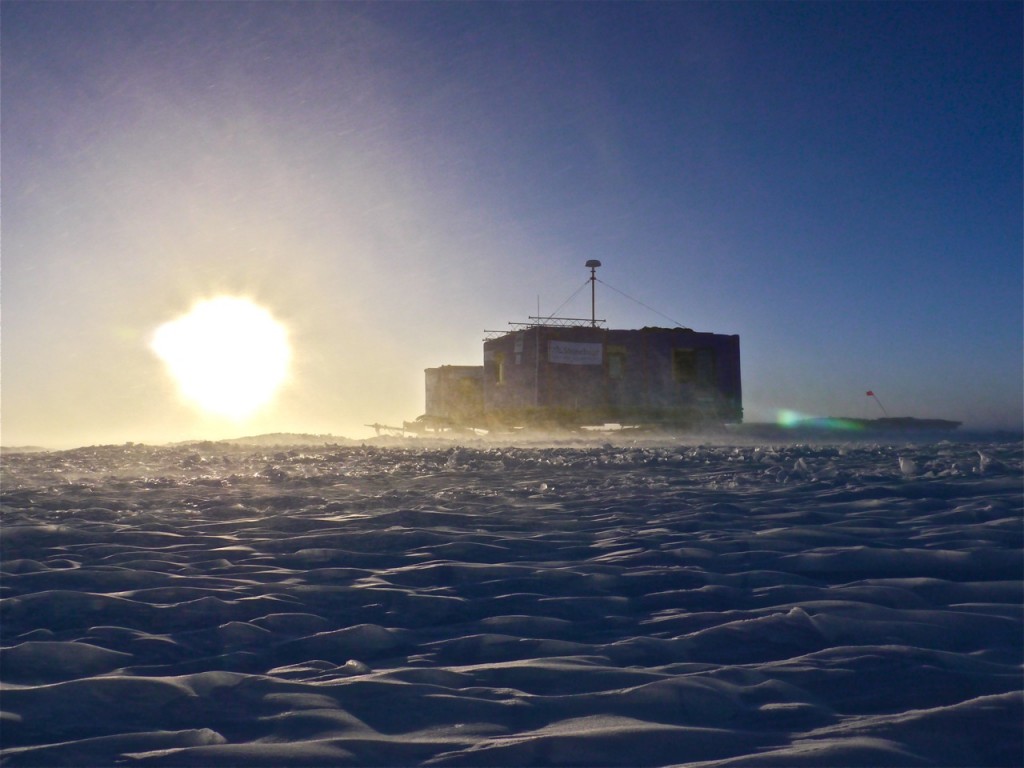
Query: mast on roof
593,264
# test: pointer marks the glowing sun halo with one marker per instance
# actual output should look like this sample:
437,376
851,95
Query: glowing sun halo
228,355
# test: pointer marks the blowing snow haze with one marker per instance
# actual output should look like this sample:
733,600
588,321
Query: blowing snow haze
838,184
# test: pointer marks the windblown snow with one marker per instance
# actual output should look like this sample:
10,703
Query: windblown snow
440,605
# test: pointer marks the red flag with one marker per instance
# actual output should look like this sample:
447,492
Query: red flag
869,393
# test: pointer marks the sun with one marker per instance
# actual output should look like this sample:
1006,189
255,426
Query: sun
228,355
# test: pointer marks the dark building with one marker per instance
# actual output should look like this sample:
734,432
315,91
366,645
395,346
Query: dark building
553,375
594,376
572,372
455,395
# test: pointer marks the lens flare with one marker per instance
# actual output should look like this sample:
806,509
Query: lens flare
796,420
228,356
787,418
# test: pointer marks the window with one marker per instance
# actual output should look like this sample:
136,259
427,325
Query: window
694,366
706,367
616,362
499,367
684,365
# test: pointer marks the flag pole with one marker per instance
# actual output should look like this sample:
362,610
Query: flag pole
870,393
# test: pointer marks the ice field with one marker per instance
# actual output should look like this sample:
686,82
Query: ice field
846,604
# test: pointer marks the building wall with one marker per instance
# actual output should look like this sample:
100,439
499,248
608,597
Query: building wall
455,392
592,375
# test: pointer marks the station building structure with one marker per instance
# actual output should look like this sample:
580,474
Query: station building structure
571,372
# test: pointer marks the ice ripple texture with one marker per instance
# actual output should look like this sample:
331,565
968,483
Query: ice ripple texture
772,605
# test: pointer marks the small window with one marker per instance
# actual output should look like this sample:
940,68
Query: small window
499,367
616,363
684,365
706,367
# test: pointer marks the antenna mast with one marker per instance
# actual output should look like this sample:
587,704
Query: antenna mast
593,264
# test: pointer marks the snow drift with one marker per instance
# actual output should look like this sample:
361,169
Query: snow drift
773,605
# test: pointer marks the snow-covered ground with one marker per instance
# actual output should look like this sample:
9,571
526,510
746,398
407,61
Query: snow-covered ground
631,605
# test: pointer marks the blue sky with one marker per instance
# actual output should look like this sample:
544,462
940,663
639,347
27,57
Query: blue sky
838,183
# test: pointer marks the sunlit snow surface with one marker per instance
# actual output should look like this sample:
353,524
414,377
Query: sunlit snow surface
783,605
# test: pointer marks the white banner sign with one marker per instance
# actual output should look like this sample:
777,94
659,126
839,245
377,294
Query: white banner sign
574,353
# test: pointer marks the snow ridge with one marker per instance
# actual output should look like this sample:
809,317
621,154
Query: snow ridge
700,605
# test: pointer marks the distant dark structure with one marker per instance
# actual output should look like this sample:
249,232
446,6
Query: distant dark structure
569,372
455,395
671,376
